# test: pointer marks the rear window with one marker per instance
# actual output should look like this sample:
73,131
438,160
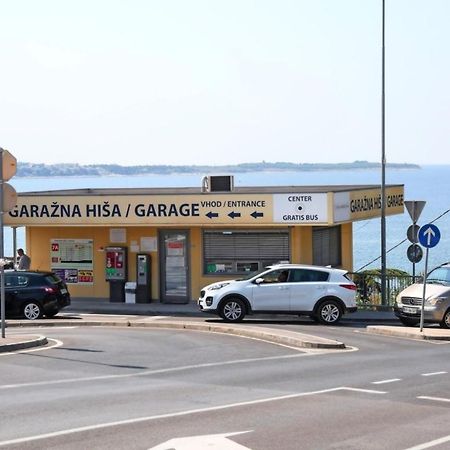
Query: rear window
53,278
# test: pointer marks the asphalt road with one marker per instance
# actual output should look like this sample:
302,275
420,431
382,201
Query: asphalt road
107,388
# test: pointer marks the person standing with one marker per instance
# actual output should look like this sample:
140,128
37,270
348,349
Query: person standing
24,260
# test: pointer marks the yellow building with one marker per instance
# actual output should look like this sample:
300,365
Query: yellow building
192,236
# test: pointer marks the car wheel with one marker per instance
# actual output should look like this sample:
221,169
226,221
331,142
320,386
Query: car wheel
32,311
232,310
408,322
329,312
445,323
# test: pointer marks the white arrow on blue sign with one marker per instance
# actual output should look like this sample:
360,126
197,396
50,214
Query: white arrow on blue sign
429,235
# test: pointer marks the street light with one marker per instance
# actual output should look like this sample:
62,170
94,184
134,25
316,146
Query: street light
383,169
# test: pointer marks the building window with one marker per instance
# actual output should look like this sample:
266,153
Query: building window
240,251
327,248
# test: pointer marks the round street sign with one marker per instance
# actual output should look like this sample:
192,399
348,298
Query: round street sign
413,231
9,197
429,235
414,253
9,165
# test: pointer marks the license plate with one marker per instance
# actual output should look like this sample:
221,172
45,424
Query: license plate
408,310
63,291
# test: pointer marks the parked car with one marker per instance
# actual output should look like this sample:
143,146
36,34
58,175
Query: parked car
323,293
408,303
33,294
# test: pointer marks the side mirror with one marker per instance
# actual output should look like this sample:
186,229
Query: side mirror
259,280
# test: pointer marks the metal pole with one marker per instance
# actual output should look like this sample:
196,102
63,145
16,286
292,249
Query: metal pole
383,168
14,229
2,278
422,309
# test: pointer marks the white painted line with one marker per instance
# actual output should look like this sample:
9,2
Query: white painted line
367,391
124,316
436,399
430,444
178,414
392,380
433,373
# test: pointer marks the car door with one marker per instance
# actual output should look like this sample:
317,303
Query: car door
12,304
306,287
272,293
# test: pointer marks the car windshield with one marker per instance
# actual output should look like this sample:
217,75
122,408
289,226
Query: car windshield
441,275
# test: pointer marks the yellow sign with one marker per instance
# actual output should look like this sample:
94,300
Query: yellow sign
366,203
294,208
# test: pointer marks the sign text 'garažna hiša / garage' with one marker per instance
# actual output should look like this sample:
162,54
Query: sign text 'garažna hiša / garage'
240,209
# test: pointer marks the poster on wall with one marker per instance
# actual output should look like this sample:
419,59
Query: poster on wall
72,260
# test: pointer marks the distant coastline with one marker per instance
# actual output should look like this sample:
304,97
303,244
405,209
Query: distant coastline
72,170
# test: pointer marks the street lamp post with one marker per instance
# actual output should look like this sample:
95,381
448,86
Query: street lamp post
383,168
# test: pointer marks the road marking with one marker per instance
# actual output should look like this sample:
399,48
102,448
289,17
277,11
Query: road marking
430,444
392,380
367,391
436,399
210,441
124,316
150,372
181,414
433,373
57,343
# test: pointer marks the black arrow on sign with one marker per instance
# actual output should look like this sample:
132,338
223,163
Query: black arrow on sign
211,215
234,214
257,214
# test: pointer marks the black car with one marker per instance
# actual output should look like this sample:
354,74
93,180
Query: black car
33,294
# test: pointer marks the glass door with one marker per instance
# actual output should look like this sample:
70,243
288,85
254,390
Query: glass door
174,266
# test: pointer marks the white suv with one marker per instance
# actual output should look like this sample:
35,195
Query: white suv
323,293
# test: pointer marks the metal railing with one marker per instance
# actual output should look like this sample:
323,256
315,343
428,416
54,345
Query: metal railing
368,293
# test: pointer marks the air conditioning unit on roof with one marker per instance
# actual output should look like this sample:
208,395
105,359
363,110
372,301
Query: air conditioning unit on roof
218,183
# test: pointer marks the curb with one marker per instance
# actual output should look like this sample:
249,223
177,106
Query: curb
36,341
411,333
289,338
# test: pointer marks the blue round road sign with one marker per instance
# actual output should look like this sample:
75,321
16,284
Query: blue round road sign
429,235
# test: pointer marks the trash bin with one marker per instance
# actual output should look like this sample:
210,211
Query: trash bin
130,292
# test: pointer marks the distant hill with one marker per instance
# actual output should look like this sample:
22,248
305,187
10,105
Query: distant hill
57,170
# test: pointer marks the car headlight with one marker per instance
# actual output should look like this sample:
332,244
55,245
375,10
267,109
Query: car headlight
436,300
218,286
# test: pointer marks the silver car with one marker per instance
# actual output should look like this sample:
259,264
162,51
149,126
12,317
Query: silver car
408,303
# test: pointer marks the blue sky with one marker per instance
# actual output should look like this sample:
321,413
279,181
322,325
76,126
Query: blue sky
219,82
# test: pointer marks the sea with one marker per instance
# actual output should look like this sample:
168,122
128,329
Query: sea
430,183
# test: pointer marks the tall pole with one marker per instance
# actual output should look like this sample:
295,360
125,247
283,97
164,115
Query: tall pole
2,278
383,170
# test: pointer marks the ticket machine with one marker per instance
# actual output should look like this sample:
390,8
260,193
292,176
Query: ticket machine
143,278
116,272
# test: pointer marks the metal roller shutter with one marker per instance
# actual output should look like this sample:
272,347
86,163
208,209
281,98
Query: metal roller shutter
246,245
327,246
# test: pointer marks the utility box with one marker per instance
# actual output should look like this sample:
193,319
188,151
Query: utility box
143,278
130,292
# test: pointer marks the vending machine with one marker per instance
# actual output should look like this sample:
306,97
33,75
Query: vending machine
143,278
116,272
